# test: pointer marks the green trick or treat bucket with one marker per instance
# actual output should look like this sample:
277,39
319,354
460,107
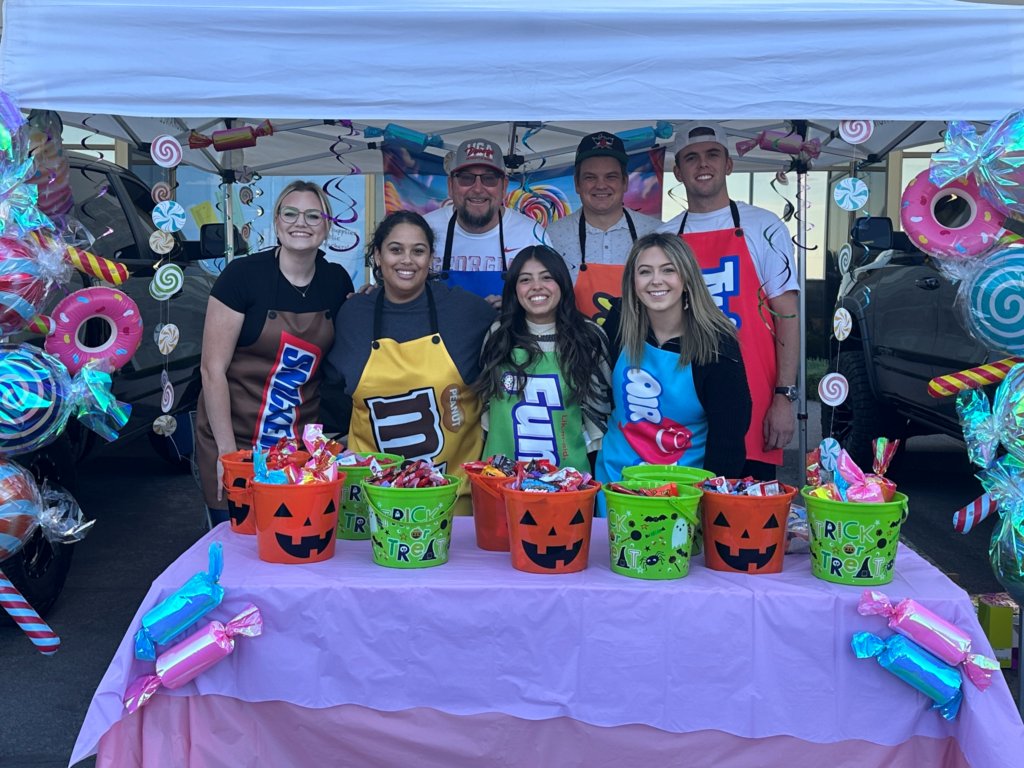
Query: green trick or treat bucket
854,543
353,516
411,527
650,537
672,473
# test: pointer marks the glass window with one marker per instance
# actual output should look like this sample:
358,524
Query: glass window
98,208
142,200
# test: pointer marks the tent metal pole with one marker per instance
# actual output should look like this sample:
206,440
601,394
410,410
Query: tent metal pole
801,260
229,223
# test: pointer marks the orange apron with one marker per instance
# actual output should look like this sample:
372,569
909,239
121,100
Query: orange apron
598,284
731,277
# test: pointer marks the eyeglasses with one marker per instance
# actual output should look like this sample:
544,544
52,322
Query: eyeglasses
291,215
467,179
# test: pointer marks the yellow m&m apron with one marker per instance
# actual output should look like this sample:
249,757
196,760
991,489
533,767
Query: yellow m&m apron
411,400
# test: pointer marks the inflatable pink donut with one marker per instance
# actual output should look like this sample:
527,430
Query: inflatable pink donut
122,317
977,235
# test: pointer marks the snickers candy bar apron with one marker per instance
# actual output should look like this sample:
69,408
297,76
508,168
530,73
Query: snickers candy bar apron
411,400
274,388
731,277
598,284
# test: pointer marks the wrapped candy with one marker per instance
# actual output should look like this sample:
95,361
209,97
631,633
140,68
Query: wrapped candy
813,468
37,397
994,159
780,141
828,491
665,490
1004,481
412,474
231,138
855,486
987,426
883,449
541,476
194,655
748,486
28,270
173,615
914,665
931,632
496,466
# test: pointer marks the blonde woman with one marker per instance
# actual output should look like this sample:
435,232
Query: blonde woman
679,388
269,326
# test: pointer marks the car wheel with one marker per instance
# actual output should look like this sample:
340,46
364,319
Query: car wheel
858,420
40,568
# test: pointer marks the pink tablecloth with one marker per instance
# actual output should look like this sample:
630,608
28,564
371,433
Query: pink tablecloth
709,656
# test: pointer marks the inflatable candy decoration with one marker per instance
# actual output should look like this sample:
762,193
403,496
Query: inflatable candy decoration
932,632
1004,480
914,665
124,324
51,170
232,138
986,426
31,623
994,159
971,228
780,141
972,378
24,507
965,518
991,300
193,656
38,396
27,273
97,266
173,615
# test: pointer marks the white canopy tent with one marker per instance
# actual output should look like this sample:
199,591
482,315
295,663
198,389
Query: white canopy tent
135,71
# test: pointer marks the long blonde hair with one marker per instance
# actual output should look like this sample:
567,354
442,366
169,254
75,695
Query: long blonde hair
703,323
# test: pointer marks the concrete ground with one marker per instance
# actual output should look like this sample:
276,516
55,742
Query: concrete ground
148,513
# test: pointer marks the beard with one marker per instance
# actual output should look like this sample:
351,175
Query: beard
476,220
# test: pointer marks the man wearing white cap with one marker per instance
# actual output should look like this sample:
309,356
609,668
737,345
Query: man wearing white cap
596,238
746,255
476,236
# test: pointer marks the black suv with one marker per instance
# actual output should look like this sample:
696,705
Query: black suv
116,207
905,332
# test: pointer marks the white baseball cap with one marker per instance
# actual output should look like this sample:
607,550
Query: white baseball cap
705,130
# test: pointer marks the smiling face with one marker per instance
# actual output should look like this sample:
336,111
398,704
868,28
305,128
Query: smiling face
659,286
702,168
404,262
477,204
299,235
601,185
538,292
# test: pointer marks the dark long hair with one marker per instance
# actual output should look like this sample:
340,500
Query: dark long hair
578,343
380,234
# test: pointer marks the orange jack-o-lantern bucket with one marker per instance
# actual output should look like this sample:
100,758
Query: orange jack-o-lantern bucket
745,534
238,471
550,532
489,516
295,524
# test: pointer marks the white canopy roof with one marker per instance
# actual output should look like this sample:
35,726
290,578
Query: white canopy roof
464,69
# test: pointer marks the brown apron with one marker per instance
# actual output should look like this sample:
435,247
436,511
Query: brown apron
274,385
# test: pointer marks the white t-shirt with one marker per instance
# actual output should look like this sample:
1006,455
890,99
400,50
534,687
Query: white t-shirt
768,240
481,253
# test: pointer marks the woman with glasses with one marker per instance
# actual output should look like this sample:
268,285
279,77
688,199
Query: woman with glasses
269,326
409,352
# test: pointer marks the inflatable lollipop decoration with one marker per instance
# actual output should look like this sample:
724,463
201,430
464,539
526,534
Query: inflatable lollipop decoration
991,299
38,396
23,510
994,159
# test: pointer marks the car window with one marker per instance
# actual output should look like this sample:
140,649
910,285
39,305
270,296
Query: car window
142,200
99,209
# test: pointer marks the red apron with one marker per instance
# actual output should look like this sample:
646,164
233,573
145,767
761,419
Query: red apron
731,277
598,284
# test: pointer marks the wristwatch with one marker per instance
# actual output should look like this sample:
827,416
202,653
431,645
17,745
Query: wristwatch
791,393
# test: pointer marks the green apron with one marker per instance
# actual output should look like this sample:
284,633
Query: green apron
544,424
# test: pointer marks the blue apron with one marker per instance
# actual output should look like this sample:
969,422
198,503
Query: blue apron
482,283
657,418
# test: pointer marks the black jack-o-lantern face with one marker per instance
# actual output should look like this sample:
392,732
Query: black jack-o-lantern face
238,512
301,538
560,546
752,549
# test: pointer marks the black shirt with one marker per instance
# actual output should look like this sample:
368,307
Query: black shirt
721,389
254,285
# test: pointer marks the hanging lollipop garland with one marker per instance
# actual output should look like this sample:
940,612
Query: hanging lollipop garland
169,216
162,192
855,132
851,194
165,425
161,242
165,151
168,280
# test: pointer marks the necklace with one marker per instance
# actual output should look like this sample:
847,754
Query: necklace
302,291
